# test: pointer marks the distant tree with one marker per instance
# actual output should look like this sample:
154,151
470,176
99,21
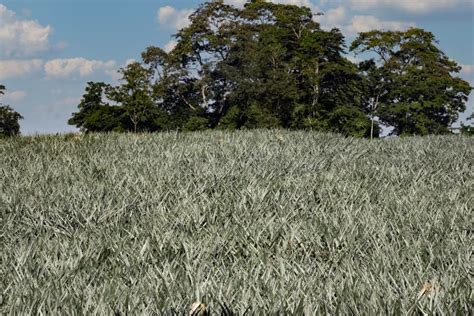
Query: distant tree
468,129
135,97
375,89
9,119
270,65
94,114
173,90
412,87
267,65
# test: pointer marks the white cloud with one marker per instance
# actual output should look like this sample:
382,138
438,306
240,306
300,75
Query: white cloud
174,18
15,96
17,68
170,46
20,38
114,74
68,101
336,16
412,6
130,61
467,69
366,23
354,59
237,3
333,18
63,68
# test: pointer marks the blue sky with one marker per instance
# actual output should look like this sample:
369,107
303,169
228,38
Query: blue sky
49,49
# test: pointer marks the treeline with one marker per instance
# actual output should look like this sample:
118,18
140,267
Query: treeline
272,66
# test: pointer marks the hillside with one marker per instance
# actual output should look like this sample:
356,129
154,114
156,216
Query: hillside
257,220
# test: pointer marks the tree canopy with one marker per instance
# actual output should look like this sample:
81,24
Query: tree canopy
412,82
271,65
9,118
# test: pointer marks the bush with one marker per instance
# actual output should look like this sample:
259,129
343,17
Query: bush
9,121
196,123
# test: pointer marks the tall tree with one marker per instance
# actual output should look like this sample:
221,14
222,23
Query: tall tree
268,65
135,96
9,118
271,65
95,115
202,51
412,85
9,121
375,90
173,91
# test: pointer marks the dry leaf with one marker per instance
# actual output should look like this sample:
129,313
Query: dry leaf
428,288
197,308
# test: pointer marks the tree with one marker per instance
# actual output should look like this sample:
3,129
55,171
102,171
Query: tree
267,65
9,119
468,129
201,55
270,65
412,87
94,114
375,89
135,96
173,90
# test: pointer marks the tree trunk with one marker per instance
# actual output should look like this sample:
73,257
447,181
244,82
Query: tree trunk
374,107
316,89
372,128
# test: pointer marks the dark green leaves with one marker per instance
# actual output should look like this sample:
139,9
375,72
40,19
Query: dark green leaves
271,65
412,88
9,119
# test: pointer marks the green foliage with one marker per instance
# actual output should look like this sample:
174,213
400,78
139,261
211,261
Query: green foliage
264,66
9,119
94,115
259,117
351,122
412,88
196,123
232,120
274,222
270,65
135,97
468,129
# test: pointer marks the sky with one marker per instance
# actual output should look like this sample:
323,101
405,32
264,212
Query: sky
50,49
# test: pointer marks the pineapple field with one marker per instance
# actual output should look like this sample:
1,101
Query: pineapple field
260,221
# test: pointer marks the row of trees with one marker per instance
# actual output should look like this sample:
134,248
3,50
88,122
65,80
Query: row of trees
272,66
9,119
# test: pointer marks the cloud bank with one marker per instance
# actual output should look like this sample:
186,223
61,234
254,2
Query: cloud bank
21,38
64,68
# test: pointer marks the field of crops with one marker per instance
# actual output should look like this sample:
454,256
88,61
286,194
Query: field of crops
272,221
